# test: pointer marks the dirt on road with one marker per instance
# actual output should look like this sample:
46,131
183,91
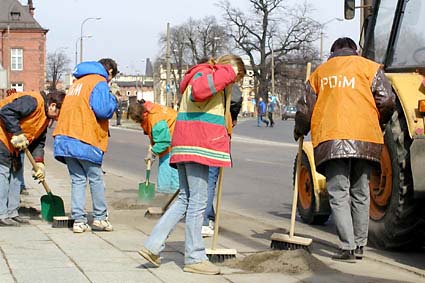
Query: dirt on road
289,262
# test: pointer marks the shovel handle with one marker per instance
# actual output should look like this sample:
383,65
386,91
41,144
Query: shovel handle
35,168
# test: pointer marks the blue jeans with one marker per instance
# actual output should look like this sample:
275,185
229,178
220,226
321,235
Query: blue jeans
191,203
260,119
81,171
20,173
9,192
212,182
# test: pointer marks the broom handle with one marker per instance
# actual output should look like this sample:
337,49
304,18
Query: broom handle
295,196
165,207
217,208
35,168
228,97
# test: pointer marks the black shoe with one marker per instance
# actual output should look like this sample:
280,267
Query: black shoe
345,255
8,222
358,252
20,220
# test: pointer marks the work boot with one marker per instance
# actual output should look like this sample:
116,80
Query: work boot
358,252
80,227
203,267
102,225
20,220
345,255
8,222
152,258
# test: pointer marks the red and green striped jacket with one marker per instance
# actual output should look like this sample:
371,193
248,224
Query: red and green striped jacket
200,134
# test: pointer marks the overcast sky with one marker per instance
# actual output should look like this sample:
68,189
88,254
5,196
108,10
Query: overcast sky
129,29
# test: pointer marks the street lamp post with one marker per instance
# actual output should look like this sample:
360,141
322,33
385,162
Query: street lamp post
81,35
322,25
76,47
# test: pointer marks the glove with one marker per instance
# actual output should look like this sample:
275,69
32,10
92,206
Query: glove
39,174
150,156
19,142
297,135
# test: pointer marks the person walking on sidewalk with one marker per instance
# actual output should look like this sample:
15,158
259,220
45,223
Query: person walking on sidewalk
346,118
118,112
209,215
24,119
81,139
200,140
261,111
158,123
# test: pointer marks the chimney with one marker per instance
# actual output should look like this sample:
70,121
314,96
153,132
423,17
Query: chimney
31,7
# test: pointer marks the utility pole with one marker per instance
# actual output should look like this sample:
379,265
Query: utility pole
272,68
8,57
167,58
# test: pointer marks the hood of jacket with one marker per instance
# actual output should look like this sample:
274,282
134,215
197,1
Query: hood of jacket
191,73
89,68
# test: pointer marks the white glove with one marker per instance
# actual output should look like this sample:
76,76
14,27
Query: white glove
150,156
20,142
39,175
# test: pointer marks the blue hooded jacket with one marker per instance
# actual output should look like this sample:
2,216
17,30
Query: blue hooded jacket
103,104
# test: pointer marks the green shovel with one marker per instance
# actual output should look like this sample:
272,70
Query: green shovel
146,188
51,205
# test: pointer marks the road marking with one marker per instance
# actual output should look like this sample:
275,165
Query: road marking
245,139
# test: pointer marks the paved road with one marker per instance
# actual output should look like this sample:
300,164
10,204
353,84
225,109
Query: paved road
260,182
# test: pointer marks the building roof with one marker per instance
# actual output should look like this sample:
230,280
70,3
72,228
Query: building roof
15,14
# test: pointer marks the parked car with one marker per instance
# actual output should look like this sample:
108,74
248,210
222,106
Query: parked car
288,111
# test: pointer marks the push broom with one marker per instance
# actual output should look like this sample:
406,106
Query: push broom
214,254
292,242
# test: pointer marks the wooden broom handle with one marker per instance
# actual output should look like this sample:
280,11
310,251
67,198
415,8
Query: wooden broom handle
297,177
228,96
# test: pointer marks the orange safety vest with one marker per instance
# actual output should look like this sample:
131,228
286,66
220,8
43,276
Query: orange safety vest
32,126
77,120
345,107
155,114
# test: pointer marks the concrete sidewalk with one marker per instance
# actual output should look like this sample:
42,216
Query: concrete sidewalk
40,253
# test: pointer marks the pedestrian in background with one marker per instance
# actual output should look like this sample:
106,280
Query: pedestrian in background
209,215
270,110
24,119
346,120
261,111
118,112
81,139
200,140
158,123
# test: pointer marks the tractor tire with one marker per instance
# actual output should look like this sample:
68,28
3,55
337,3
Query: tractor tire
306,204
399,221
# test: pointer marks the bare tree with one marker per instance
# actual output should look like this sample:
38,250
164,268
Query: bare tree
57,64
192,41
269,24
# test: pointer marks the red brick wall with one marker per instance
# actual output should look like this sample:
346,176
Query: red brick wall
33,44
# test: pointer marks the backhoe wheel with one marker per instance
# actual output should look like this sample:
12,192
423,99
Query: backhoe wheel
396,218
306,199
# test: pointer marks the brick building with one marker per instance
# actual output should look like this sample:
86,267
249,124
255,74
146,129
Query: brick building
22,46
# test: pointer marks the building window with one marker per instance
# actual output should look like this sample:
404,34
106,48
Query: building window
17,59
18,86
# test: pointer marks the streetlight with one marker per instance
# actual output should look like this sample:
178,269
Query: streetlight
76,47
322,25
81,35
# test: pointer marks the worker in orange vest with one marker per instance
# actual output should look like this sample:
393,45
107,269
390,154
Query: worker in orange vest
81,139
347,104
24,119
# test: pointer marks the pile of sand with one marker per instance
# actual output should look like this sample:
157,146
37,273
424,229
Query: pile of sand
290,262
